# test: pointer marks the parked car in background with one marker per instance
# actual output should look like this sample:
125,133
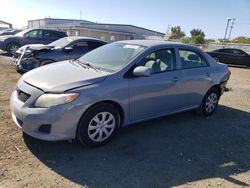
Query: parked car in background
231,56
11,43
29,57
114,85
10,31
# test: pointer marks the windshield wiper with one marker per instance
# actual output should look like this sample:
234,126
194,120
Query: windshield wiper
89,65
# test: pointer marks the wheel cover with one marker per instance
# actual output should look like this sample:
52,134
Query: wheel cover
216,59
13,49
211,102
101,126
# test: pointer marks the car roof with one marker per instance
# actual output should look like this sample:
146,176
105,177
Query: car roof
74,38
151,43
229,49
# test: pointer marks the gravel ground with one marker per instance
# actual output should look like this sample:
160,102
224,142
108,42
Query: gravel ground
182,150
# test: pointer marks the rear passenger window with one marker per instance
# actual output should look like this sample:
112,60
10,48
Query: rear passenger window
191,59
49,34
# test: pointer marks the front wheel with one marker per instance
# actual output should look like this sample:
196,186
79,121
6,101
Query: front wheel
209,102
12,48
98,125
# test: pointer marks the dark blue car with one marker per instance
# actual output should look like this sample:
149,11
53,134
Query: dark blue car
11,43
32,56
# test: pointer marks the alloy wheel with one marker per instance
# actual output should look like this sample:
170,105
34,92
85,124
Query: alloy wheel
211,102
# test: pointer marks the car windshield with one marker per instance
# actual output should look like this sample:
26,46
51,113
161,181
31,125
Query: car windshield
20,34
61,42
112,57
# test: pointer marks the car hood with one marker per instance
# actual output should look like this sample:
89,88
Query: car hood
4,37
62,76
34,47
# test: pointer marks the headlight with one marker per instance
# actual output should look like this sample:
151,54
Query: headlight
48,100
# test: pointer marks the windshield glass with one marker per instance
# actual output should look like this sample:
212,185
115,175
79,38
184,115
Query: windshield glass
20,34
61,42
112,57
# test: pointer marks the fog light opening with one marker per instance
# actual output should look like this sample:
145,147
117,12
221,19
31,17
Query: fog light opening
45,128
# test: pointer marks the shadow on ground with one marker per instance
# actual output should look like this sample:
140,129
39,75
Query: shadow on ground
165,152
6,54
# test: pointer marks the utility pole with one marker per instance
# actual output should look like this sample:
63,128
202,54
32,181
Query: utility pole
228,20
81,14
231,28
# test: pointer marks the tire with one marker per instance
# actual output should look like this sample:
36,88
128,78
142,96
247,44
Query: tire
92,131
12,48
209,102
216,59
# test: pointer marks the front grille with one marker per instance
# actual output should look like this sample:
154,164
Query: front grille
22,96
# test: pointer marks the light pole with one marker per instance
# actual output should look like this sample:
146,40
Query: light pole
233,22
228,20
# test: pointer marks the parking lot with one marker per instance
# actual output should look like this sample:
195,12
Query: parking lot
182,150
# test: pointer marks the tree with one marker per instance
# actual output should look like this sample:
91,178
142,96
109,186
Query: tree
241,40
196,32
198,39
186,40
177,33
197,36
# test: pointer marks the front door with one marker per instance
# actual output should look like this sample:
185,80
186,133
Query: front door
157,94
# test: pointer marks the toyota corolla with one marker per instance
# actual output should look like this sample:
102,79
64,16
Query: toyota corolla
118,84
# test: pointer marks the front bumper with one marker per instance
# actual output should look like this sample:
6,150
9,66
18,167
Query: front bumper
63,119
25,64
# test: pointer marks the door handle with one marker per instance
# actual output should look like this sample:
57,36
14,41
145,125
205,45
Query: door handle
175,79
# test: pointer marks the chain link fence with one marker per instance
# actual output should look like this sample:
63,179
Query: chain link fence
214,46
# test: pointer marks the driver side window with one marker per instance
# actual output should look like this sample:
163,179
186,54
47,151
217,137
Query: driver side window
34,34
80,46
159,61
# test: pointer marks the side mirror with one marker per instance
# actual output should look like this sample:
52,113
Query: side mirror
142,71
68,49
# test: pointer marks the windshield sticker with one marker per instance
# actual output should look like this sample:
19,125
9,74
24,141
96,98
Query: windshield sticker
131,46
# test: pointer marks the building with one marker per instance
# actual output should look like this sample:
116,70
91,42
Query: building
5,25
108,32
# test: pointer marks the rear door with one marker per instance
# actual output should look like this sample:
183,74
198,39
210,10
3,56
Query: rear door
196,77
50,36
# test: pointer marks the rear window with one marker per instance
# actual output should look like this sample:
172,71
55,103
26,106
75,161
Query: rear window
191,59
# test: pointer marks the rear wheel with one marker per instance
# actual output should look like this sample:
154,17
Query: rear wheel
209,102
98,125
216,59
12,48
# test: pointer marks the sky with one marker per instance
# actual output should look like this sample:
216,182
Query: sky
208,15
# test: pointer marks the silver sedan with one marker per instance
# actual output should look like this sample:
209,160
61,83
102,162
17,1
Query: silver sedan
118,84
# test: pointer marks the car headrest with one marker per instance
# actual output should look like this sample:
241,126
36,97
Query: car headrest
193,57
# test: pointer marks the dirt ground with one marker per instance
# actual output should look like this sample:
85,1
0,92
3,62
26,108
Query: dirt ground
182,150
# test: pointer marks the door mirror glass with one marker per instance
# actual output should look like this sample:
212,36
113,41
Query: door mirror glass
142,71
